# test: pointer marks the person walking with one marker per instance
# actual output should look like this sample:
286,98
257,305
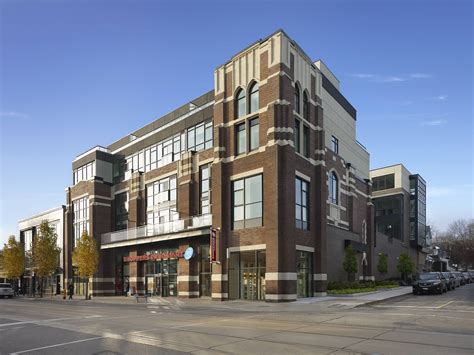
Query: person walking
70,291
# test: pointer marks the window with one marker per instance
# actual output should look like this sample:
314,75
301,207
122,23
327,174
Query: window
161,201
254,133
121,211
247,202
240,103
383,182
80,218
335,144
305,106
301,203
297,98
28,239
200,136
306,141
241,139
254,104
84,173
205,178
334,188
297,135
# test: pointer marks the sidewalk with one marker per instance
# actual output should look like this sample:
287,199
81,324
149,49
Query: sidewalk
340,301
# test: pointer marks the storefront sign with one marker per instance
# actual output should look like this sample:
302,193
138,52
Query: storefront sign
213,245
154,256
188,253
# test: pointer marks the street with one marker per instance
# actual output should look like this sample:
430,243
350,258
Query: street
434,324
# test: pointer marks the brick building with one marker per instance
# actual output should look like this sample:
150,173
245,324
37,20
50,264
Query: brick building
268,158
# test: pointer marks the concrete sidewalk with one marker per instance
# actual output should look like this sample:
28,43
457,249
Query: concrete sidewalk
341,302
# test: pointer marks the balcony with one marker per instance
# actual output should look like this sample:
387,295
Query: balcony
157,232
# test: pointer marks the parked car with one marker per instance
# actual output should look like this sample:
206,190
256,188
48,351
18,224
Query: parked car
462,280
467,277
457,279
430,282
450,280
6,290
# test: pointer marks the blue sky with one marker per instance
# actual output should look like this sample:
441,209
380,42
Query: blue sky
75,74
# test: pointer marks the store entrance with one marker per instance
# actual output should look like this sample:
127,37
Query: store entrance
161,278
247,275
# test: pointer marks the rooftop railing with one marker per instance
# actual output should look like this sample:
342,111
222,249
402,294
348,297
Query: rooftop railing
152,230
97,147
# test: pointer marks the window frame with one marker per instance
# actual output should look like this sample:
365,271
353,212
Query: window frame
334,144
334,188
245,222
240,103
252,94
254,122
304,204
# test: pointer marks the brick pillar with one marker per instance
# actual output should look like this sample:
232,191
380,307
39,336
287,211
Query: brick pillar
320,210
188,275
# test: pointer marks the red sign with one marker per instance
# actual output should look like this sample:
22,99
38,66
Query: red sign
213,245
155,256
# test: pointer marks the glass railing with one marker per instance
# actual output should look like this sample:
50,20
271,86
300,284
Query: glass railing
152,230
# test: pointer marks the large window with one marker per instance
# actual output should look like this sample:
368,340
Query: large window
84,173
121,211
161,201
240,103
301,203
297,99
205,189
335,144
28,239
383,182
247,202
254,105
254,133
305,106
306,141
200,136
80,218
334,188
241,138
297,135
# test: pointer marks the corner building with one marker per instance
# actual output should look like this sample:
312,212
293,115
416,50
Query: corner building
269,158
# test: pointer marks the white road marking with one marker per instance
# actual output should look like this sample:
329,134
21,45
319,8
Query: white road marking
45,320
56,345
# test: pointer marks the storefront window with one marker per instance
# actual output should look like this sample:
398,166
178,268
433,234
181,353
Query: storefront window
161,278
247,275
204,271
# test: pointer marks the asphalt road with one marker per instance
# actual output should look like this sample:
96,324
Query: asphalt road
429,324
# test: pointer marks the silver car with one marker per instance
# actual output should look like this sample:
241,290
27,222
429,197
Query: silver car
6,290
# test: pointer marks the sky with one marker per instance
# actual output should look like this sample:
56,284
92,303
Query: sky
75,74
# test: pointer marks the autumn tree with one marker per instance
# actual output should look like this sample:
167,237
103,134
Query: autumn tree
45,253
86,258
350,263
13,258
405,265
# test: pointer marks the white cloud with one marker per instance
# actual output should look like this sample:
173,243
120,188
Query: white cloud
13,114
420,76
390,78
441,97
433,123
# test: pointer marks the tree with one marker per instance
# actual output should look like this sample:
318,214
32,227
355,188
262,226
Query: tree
350,263
382,265
405,265
86,258
458,243
13,258
45,253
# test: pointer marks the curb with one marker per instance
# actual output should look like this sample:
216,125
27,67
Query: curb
379,301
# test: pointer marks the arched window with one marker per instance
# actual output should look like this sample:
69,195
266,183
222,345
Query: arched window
253,94
297,98
305,105
334,188
240,103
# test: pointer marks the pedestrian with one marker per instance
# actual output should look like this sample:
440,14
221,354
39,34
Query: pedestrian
70,291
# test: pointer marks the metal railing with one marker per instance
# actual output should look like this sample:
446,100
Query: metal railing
152,230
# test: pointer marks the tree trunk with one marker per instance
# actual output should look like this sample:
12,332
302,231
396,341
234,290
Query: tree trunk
41,286
87,288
